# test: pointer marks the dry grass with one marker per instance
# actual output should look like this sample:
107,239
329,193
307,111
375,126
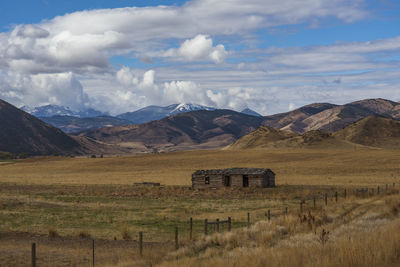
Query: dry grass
318,167
82,198
364,235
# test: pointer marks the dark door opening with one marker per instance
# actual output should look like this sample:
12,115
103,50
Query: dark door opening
245,181
227,180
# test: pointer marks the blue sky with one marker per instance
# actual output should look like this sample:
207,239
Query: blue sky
121,55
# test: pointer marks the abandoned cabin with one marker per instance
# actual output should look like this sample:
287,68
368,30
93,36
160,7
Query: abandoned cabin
233,177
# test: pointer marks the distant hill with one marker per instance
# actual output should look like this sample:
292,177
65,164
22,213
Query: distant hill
70,124
190,130
373,131
331,118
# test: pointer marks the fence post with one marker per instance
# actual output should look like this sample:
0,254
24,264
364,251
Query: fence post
286,210
386,187
33,254
205,226
301,205
229,223
314,203
378,190
336,196
140,243
217,221
269,215
191,228
345,193
93,252
176,237
248,220
326,199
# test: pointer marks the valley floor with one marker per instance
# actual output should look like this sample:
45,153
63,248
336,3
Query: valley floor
61,204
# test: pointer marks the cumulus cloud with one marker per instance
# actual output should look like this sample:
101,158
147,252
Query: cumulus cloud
201,48
43,89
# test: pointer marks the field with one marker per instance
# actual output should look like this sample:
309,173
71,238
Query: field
64,203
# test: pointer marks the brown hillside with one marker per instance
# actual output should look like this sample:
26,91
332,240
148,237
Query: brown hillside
373,131
266,137
23,133
331,118
261,137
191,130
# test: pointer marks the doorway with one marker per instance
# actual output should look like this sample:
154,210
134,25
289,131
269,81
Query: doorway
227,180
245,181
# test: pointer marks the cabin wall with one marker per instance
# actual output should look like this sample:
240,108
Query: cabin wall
198,181
217,180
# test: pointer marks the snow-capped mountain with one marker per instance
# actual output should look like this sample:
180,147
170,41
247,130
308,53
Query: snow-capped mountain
152,113
186,107
250,112
54,110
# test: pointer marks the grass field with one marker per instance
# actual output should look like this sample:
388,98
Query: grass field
61,202
300,167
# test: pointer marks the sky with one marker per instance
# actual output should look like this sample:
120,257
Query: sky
267,55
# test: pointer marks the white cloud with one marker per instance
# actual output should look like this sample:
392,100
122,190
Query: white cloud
201,48
42,89
185,92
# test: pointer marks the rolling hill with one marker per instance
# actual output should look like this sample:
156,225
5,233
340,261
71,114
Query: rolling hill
373,131
269,138
331,118
191,130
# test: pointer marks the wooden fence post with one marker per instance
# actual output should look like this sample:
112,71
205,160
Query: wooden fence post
326,199
314,203
378,190
229,223
191,228
93,252
301,205
176,237
345,193
217,221
336,196
205,226
33,254
141,243
286,210
248,220
269,215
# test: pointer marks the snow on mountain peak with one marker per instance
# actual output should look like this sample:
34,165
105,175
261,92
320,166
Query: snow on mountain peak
185,107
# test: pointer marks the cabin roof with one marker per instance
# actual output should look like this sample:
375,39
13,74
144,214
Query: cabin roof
230,171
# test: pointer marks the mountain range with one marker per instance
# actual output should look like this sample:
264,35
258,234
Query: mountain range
77,121
55,110
365,123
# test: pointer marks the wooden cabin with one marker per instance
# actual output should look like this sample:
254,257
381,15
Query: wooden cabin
233,177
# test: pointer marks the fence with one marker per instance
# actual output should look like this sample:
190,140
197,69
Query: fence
221,225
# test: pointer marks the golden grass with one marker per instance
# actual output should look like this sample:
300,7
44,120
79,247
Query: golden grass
61,202
318,167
